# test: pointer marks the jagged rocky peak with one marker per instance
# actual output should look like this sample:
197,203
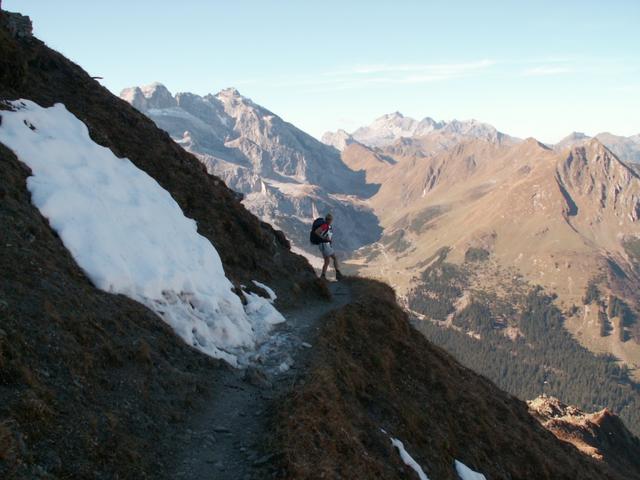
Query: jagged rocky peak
571,140
229,92
386,129
594,152
533,144
281,170
392,127
577,136
338,139
158,96
232,96
473,128
18,25
152,96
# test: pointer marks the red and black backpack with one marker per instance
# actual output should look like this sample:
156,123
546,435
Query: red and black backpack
313,236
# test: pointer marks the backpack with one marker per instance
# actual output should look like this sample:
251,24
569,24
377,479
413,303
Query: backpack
313,236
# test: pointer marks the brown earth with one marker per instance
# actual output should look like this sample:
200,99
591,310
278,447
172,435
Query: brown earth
94,385
372,371
560,219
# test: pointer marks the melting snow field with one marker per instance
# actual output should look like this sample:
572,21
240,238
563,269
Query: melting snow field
129,235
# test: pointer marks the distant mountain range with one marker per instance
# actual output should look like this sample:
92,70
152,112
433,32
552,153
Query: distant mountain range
626,149
390,128
397,130
409,193
96,385
287,177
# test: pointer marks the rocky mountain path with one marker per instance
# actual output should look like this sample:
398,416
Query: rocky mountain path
225,440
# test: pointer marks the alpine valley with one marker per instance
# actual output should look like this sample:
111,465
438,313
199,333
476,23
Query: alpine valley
155,325
520,258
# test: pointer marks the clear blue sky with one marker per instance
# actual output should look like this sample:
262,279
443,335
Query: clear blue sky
531,68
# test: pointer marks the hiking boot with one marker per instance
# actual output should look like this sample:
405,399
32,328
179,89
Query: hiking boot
323,277
339,275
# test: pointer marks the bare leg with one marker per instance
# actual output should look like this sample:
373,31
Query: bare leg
335,263
325,266
337,268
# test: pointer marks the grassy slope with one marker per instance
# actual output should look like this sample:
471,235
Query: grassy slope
91,383
372,370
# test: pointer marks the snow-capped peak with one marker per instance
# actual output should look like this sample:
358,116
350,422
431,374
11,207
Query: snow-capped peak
154,95
391,127
339,139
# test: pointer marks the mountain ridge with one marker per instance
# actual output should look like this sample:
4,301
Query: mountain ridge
286,176
95,385
392,127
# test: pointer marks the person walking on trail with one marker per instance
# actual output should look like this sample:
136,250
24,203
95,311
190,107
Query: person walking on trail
322,235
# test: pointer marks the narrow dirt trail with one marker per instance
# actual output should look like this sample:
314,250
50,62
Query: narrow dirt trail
224,441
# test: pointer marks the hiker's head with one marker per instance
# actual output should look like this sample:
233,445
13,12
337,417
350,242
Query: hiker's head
328,218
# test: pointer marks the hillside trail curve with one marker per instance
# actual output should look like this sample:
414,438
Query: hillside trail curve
224,441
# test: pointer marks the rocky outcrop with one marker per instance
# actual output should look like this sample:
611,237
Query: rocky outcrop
600,435
18,25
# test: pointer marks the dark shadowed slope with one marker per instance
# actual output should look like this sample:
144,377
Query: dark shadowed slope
91,383
371,370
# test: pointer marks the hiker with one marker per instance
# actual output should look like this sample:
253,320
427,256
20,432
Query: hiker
321,235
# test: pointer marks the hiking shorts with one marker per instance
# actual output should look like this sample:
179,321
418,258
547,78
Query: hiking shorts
326,250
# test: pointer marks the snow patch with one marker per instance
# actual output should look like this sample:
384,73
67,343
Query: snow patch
130,236
408,459
270,292
465,473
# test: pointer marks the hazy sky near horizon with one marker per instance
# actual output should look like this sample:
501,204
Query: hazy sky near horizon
531,68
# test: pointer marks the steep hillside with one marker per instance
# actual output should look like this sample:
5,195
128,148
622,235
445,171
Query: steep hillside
340,419
91,382
97,383
287,177
508,218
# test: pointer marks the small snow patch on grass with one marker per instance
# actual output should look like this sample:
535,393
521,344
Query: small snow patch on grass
465,473
269,290
408,459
